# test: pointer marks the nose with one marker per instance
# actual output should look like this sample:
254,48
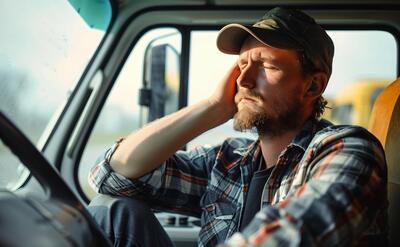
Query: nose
247,77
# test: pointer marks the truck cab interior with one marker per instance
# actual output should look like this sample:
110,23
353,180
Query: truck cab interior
147,62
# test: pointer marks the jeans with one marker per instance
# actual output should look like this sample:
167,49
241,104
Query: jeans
128,222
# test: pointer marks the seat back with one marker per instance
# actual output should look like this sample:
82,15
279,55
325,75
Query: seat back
385,125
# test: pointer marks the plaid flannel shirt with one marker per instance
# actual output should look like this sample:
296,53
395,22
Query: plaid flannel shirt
328,188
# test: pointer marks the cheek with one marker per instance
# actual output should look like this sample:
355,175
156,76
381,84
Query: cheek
279,98
271,85
272,77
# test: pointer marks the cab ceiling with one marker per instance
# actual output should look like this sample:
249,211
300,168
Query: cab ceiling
361,3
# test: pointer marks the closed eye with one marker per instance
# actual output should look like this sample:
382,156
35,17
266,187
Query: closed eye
270,67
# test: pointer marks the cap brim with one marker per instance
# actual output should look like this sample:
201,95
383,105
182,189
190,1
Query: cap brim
231,37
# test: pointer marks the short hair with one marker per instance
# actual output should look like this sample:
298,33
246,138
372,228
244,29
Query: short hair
308,68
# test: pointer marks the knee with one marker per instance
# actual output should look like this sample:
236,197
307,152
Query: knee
127,221
112,208
134,209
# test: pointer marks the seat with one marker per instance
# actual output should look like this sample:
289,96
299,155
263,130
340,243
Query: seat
385,125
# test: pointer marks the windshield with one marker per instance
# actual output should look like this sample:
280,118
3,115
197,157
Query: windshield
45,47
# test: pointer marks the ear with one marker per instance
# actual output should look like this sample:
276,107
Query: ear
317,85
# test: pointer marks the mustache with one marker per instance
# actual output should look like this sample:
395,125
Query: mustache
246,93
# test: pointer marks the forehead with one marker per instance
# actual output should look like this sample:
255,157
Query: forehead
259,51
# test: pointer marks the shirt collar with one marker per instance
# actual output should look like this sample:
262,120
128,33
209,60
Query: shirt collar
243,151
306,134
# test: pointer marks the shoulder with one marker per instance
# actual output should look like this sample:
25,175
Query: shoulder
351,139
334,133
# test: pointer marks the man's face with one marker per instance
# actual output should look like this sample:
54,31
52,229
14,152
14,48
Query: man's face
270,89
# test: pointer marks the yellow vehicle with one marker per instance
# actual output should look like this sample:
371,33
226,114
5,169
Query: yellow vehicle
354,104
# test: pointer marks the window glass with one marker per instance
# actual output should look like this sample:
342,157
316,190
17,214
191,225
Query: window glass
45,46
342,113
8,175
363,62
122,113
358,71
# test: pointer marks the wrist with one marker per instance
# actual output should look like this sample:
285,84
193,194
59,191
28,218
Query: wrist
219,111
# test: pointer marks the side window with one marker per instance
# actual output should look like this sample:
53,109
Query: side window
358,70
342,113
42,57
9,175
146,88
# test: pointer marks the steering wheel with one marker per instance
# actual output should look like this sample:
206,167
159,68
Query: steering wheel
58,220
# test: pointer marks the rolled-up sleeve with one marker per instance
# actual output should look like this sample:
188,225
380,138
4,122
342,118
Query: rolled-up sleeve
104,180
177,185
339,200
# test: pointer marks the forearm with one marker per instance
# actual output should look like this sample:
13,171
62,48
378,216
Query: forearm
148,148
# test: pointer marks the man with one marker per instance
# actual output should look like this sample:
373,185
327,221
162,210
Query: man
303,182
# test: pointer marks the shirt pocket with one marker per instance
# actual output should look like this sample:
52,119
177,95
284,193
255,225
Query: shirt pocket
215,220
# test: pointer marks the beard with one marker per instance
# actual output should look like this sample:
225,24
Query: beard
276,117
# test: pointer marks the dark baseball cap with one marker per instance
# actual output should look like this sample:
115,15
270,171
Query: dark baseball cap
285,29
